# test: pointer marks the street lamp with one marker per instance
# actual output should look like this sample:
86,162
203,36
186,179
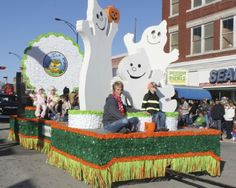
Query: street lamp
15,54
71,26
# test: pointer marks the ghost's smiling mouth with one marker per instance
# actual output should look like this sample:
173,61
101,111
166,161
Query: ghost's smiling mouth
157,42
101,28
135,77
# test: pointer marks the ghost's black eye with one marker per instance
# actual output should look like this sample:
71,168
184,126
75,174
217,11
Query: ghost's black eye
153,32
139,65
97,16
131,64
159,34
101,13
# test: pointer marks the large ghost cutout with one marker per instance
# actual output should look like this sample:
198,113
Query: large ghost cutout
135,73
96,73
153,42
146,62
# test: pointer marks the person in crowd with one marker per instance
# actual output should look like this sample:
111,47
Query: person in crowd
217,114
40,99
204,107
114,116
193,110
151,106
52,100
233,133
200,122
183,111
229,115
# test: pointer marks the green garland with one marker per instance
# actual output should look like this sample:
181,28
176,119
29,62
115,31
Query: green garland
100,152
28,114
85,112
100,113
124,171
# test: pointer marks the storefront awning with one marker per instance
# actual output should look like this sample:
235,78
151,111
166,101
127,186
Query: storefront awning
192,93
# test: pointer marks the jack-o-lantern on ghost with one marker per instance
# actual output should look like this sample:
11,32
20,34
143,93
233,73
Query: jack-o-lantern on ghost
113,14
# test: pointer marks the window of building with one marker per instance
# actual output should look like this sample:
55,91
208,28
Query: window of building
174,7
196,40
203,38
197,3
227,33
208,37
174,41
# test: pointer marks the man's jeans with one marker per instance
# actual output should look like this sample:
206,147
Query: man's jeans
131,123
160,119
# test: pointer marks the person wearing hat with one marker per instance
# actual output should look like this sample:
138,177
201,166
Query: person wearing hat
40,102
52,100
150,105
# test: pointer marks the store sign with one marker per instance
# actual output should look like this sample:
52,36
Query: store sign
177,77
222,75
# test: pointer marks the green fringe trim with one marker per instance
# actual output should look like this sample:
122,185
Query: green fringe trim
11,136
124,171
197,164
35,144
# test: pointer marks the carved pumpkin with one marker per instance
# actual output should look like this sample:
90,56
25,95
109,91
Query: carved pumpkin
113,14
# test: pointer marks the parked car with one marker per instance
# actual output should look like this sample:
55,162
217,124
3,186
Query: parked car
8,105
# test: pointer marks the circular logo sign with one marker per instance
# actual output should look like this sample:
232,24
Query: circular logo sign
55,64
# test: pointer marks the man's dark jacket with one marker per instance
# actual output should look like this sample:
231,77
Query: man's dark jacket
217,112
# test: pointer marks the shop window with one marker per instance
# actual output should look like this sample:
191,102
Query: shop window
227,33
174,7
208,37
174,41
196,40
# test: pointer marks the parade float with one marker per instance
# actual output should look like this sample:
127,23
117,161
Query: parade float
82,148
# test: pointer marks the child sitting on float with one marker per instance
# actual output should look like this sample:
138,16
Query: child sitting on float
62,108
52,100
39,99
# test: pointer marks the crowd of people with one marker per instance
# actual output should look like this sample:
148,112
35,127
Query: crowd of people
52,106
218,114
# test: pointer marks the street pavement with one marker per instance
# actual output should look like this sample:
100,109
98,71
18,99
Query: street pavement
20,168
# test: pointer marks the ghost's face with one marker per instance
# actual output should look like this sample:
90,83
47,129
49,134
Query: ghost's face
134,68
155,35
100,20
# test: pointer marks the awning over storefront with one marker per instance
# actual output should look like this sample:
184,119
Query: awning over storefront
192,93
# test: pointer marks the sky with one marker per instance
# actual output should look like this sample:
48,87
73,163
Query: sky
21,21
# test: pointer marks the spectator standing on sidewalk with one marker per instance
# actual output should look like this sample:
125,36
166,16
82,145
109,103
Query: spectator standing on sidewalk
217,114
229,115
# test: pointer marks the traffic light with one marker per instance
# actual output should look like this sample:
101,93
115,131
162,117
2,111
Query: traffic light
2,68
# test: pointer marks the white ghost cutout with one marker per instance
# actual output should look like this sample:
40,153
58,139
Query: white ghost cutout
153,42
166,103
96,72
135,72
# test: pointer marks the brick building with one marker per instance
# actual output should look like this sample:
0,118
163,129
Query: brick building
204,31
